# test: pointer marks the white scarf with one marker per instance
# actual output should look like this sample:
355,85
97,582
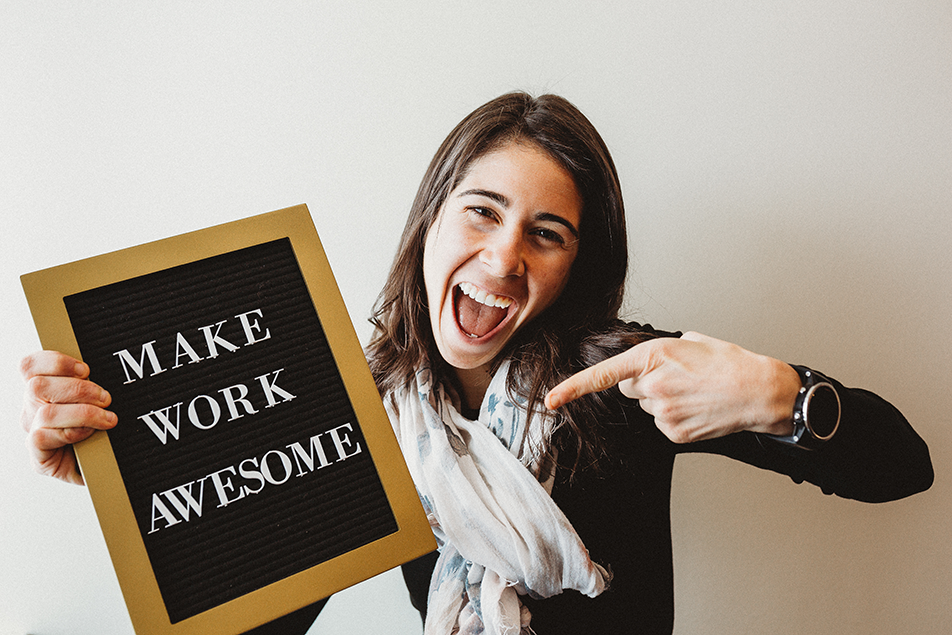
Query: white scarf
500,534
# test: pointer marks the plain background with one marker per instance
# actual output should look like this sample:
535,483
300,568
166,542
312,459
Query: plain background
788,176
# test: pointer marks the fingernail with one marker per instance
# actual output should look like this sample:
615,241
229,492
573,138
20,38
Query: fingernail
80,369
111,418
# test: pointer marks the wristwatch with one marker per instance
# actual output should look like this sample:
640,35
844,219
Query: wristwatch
816,411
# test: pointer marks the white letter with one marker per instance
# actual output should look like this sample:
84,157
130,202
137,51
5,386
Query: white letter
158,505
253,326
185,491
163,416
300,455
232,402
128,361
270,389
181,344
250,474
285,464
211,340
193,414
339,443
220,487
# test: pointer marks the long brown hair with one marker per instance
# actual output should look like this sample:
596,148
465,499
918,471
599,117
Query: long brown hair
570,334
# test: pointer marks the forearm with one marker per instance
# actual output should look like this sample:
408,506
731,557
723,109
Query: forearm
874,456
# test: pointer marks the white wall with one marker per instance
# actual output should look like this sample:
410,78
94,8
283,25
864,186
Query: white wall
788,171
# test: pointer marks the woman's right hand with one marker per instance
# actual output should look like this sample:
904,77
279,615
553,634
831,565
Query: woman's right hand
60,407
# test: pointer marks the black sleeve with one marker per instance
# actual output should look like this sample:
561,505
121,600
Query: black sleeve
297,623
874,456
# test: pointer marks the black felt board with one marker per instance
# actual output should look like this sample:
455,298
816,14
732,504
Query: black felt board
301,519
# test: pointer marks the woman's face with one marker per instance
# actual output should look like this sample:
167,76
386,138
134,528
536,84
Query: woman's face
500,251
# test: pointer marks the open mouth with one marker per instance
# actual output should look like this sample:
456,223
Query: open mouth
479,313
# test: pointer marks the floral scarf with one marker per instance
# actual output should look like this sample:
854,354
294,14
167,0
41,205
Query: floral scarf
499,532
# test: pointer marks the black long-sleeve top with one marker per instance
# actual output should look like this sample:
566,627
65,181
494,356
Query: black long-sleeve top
621,509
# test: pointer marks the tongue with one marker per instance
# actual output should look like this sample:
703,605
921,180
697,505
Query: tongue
477,319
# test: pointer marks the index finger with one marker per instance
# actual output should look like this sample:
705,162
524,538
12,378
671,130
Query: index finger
52,363
630,364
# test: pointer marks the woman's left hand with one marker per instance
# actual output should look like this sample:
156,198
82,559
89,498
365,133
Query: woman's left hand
695,387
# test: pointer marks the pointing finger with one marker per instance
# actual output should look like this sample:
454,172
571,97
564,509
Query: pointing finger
627,366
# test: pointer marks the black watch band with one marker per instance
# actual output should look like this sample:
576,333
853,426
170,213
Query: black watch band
816,410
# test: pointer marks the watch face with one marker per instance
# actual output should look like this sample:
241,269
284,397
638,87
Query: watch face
822,410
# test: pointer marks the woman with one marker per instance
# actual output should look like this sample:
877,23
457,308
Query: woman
539,429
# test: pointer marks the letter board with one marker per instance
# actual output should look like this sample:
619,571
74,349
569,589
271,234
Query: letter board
253,470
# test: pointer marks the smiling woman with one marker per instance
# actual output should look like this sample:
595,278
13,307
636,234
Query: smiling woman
524,169
506,232
503,299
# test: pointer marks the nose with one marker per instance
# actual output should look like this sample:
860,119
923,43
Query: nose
503,254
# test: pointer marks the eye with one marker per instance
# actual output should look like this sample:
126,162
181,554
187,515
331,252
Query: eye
549,237
481,213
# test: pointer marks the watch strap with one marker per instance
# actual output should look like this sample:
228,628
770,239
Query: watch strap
816,411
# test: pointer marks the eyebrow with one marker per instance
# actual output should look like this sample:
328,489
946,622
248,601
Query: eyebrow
502,200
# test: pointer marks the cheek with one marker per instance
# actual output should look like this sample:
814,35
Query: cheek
437,264
431,277
446,247
550,285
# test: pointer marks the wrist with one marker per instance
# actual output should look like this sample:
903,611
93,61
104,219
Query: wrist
785,385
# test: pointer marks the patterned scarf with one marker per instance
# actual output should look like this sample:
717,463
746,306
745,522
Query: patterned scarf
499,532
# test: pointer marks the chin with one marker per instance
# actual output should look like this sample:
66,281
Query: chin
466,355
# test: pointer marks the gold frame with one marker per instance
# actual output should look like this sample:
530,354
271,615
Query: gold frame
45,291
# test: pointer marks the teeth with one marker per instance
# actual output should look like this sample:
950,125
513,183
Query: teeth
484,298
